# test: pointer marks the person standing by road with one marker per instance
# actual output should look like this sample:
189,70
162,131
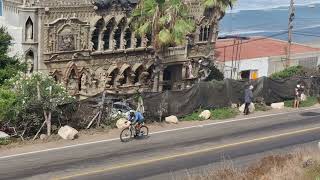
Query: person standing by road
297,97
248,98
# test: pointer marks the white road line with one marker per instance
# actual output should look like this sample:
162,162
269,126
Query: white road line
159,132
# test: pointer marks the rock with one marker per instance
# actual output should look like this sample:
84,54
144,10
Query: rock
277,105
251,108
234,106
122,123
205,114
67,132
172,119
4,135
43,136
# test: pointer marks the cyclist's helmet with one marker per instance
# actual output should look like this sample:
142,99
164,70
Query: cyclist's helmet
131,112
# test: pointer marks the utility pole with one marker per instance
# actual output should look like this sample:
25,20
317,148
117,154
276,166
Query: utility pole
290,28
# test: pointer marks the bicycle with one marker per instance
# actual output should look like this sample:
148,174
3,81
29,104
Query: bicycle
129,132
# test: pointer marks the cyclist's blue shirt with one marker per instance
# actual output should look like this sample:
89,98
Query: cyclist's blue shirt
138,117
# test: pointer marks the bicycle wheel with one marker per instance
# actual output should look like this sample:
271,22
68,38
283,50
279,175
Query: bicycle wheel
144,131
125,135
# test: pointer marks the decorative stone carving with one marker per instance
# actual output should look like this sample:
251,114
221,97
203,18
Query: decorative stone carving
29,65
72,83
103,80
66,40
143,78
190,70
29,30
134,42
84,82
84,40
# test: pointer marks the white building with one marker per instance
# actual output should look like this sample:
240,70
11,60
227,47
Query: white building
255,57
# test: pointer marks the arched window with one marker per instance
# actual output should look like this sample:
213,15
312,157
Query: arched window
118,33
201,34
96,36
108,34
127,37
29,30
30,61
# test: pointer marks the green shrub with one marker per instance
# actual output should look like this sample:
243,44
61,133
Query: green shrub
288,72
4,141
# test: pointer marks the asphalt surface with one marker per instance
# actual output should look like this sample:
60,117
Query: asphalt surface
161,155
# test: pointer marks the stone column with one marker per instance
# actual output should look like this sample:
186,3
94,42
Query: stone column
161,80
184,77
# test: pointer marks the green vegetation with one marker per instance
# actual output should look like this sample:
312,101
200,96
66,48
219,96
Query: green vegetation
167,22
193,117
313,172
224,113
4,141
311,101
9,66
219,114
288,72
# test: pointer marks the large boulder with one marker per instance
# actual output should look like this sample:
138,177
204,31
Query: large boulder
172,119
4,135
279,105
206,114
122,123
67,132
251,108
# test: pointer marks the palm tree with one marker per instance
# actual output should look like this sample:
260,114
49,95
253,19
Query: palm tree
167,21
215,11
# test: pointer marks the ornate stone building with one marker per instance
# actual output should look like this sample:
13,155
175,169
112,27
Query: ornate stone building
89,46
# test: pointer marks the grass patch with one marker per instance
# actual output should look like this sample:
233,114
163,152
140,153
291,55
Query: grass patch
224,113
4,141
311,101
313,172
193,117
221,113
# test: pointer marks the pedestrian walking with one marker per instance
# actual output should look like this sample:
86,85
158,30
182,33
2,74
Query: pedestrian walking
248,98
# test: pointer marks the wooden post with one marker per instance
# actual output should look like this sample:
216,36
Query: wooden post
101,108
49,114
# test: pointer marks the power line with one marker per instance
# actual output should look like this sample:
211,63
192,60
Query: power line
306,34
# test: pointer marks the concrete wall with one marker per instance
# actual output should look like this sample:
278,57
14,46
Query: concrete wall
309,60
260,64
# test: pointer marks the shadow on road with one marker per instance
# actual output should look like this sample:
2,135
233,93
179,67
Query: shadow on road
310,114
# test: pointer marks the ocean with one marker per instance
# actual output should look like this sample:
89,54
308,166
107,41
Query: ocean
270,18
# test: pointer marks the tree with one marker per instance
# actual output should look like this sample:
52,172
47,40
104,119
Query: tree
9,66
215,11
36,100
167,20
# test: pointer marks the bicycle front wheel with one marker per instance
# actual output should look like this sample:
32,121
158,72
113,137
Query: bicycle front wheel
144,131
126,135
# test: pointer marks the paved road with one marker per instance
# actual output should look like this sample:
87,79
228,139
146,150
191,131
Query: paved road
172,151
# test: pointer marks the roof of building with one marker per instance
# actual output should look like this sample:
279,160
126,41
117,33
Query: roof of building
256,47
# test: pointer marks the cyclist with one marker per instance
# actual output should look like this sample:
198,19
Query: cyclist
136,117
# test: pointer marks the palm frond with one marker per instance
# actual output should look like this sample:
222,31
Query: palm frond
165,37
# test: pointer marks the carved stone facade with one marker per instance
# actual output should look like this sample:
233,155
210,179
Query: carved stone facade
90,47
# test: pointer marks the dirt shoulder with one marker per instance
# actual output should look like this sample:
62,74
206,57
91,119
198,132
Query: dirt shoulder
95,135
